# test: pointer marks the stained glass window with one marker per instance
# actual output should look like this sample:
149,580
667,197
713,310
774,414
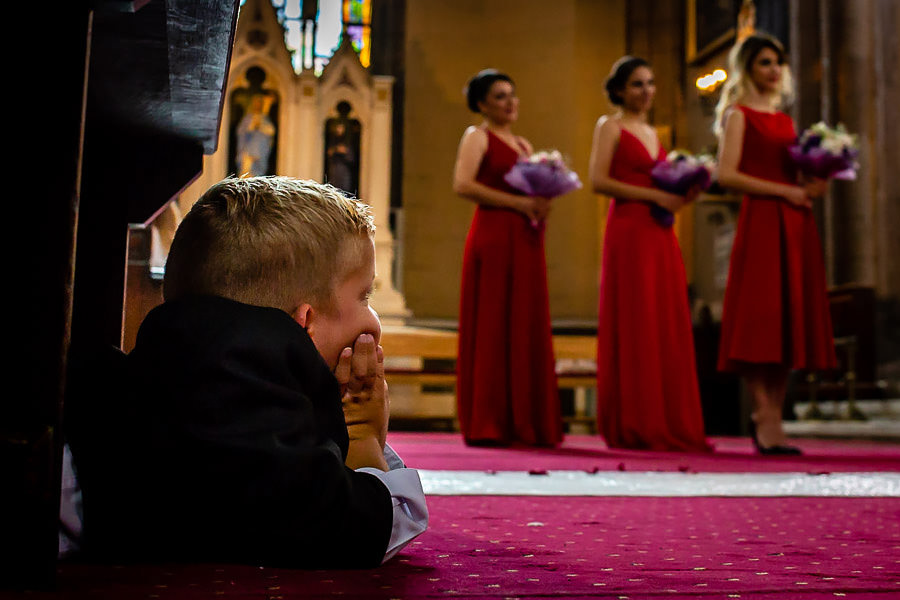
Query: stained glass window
313,29
358,22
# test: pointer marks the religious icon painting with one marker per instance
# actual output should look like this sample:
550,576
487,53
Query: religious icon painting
253,128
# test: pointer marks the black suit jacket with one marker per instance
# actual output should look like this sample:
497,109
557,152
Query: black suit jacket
220,437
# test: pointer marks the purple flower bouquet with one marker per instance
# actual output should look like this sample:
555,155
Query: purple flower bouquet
677,174
543,174
826,152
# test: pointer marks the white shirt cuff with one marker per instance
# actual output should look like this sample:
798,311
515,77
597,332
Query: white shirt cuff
393,459
410,511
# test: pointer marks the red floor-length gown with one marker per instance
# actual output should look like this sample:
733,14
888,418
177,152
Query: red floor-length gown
776,303
647,392
506,381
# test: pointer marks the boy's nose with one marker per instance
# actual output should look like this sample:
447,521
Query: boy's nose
374,325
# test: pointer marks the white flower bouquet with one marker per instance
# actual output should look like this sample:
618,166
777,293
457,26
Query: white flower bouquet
826,152
677,174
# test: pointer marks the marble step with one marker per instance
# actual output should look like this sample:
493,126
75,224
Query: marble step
882,420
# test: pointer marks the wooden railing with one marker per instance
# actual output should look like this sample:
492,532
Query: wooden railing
433,354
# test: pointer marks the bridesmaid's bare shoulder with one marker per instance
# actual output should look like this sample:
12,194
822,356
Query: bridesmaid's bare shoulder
475,132
608,128
474,139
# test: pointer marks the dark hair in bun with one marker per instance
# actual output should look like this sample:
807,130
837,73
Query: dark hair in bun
477,88
618,76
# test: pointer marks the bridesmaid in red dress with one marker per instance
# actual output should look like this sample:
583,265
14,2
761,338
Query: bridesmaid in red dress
506,381
775,316
647,393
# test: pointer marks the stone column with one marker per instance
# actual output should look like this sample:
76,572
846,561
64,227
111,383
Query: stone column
386,299
308,133
886,162
885,35
857,61
854,88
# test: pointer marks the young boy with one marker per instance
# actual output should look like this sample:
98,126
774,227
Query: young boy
232,443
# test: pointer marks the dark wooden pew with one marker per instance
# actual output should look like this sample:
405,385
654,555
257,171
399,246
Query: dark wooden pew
119,101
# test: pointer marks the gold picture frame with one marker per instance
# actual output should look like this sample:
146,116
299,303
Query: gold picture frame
711,25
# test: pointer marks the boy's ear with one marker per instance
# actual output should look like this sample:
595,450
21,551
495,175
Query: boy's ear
304,315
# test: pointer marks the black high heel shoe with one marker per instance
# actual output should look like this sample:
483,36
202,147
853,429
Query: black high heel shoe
772,450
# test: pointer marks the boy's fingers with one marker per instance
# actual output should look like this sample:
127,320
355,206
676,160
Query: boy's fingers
379,362
379,388
363,362
342,370
364,345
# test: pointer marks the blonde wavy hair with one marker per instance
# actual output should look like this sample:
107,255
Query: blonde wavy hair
267,241
739,83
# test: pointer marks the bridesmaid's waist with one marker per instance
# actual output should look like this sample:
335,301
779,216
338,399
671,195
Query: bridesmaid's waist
495,212
499,184
496,216
788,176
628,206
775,202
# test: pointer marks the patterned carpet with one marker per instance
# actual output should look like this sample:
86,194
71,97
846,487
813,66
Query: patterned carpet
622,547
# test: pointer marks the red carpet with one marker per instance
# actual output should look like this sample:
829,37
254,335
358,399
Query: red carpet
579,547
583,547
587,453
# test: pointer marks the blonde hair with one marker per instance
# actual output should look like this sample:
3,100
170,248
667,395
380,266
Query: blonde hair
266,241
739,84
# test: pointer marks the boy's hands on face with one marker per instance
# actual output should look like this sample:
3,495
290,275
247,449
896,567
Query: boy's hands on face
360,373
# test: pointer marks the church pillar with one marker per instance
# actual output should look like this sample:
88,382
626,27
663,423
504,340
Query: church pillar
885,34
386,299
845,57
810,63
309,154
853,90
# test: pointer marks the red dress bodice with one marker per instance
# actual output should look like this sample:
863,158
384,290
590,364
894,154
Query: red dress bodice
766,140
632,163
498,160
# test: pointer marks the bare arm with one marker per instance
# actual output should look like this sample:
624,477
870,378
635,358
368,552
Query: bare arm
606,138
729,159
468,158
